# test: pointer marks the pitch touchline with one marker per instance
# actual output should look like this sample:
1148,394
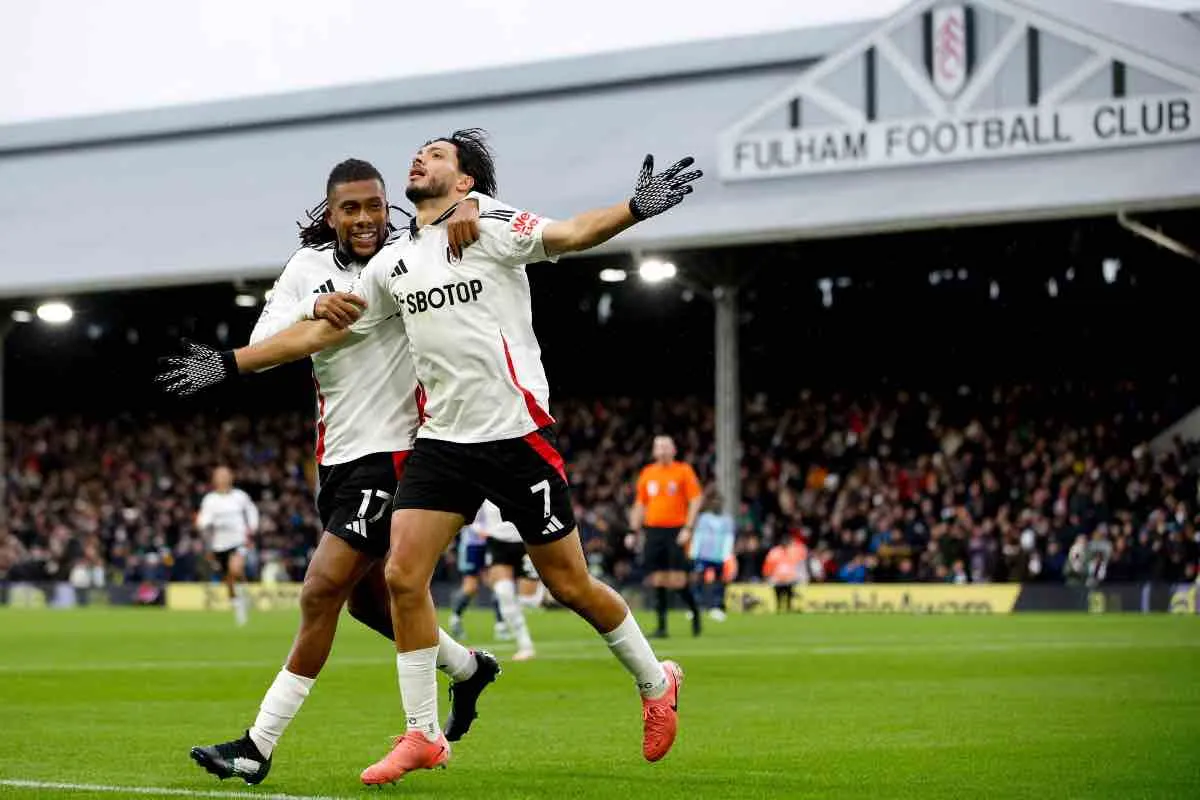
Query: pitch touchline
152,790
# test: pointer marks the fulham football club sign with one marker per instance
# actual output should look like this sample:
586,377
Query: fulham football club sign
944,82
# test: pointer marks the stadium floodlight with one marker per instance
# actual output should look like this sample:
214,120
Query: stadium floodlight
246,300
654,271
21,315
613,275
55,312
994,290
1110,267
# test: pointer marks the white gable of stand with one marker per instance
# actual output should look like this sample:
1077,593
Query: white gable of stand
943,82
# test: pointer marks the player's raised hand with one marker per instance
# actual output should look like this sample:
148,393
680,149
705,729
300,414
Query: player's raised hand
199,367
462,228
653,194
340,309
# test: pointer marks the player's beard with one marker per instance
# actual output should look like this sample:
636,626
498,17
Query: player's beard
432,191
350,256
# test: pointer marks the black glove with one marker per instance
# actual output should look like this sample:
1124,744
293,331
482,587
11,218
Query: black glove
654,194
199,368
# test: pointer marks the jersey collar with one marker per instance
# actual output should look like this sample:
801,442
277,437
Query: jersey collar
412,222
344,262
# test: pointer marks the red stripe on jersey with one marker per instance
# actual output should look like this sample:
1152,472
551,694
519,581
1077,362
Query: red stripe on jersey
320,420
540,417
421,398
398,459
547,452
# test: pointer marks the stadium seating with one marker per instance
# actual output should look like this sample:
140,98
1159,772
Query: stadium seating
999,483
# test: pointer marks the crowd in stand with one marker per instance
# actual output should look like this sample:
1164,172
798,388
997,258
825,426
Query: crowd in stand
1007,483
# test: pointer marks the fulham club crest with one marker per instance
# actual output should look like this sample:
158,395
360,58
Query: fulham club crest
950,48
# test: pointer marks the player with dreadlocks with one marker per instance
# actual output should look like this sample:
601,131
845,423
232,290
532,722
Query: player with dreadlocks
367,416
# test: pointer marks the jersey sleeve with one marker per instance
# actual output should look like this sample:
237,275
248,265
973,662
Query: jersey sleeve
488,518
251,512
642,496
728,536
372,286
204,515
289,303
510,235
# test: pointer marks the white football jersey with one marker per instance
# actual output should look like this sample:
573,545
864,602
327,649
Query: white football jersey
227,518
488,523
366,387
469,323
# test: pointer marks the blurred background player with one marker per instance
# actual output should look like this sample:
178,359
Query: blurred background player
668,501
711,550
506,560
472,556
227,518
531,592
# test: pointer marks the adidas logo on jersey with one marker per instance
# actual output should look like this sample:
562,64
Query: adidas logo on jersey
327,286
552,527
400,269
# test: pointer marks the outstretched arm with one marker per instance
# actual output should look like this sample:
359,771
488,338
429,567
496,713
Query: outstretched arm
652,195
291,344
201,366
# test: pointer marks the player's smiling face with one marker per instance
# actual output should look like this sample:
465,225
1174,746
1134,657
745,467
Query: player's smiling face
358,214
434,173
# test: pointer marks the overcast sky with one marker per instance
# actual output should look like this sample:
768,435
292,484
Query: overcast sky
114,55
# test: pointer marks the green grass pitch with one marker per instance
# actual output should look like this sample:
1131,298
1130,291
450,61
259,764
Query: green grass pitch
1020,706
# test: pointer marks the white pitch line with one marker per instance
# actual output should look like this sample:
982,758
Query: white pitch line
601,654
158,791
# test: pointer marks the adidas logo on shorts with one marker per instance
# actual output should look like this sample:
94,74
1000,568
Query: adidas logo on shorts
552,527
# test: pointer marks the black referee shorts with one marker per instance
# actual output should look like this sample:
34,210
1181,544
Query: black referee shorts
661,552
524,477
354,500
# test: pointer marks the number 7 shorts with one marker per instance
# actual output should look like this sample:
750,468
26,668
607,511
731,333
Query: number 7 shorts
525,478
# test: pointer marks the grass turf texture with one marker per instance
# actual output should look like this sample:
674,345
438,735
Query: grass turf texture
776,706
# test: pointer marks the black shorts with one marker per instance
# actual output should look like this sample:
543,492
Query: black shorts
354,500
524,477
223,556
510,554
661,552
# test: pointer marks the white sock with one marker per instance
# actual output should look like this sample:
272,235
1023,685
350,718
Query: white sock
240,604
514,617
629,645
453,659
536,599
418,690
281,703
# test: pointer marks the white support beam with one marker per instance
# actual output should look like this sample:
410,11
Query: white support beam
918,83
1060,91
834,105
983,78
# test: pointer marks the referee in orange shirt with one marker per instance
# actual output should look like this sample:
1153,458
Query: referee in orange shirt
668,499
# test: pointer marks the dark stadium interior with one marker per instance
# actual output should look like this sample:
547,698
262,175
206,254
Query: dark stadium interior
903,378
